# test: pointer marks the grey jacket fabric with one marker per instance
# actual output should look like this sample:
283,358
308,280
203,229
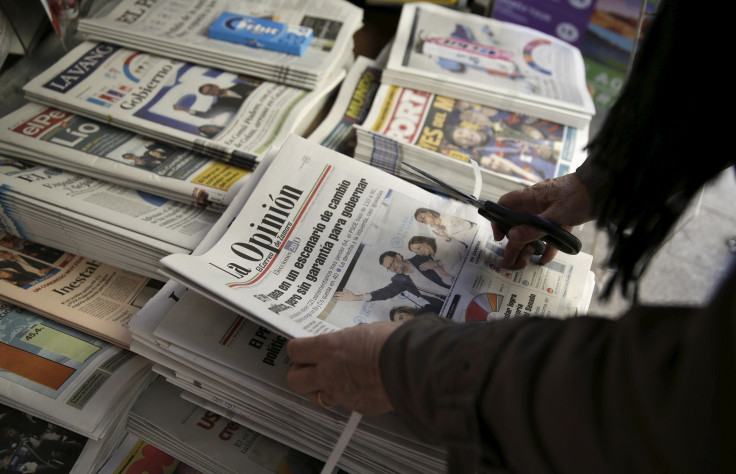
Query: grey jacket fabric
654,391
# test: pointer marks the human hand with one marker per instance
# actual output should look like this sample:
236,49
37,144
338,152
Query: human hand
342,368
347,295
563,200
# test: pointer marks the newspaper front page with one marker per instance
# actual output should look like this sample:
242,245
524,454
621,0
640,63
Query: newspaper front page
221,115
81,293
442,133
54,137
65,376
331,243
497,63
179,28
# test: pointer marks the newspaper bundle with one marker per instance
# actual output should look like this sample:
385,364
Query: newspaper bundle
129,229
351,107
53,137
237,368
441,133
79,292
324,243
229,117
494,63
208,441
65,376
179,29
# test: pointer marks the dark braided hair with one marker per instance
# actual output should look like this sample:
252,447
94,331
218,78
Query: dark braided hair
652,150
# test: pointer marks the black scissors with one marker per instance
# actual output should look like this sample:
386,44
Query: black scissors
506,218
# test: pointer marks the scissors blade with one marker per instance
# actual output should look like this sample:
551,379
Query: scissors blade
452,190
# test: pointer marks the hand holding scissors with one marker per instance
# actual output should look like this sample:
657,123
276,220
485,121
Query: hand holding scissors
506,218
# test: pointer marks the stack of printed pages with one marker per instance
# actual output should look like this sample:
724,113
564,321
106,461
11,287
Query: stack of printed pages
222,115
490,62
445,135
308,232
76,213
208,441
53,137
68,378
179,29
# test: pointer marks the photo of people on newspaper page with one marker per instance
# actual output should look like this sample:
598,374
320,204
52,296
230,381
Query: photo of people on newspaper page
222,115
334,243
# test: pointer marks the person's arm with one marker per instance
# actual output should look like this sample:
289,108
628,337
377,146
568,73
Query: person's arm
651,392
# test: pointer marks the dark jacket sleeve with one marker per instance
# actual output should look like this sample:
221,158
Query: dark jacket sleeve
653,391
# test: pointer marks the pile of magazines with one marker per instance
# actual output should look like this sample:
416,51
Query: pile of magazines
179,29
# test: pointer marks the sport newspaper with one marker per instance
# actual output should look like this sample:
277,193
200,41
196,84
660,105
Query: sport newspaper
221,115
78,292
318,223
55,137
506,65
62,375
443,133
179,28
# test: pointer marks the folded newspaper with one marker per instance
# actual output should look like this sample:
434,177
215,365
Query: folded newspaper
65,376
351,107
324,242
53,137
79,292
443,133
237,368
179,29
86,216
206,440
491,62
230,117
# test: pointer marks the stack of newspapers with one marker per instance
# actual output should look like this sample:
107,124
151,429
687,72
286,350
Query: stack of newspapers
79,214
486,61
179,29
53,137
448,136
287,259
208,441
55,374
221,115
74,290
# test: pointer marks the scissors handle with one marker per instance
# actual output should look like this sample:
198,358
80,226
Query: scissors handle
556,236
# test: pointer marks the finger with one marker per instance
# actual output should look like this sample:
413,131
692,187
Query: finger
511,254
498,234
304,350
303,380
548,255
525,257
523,234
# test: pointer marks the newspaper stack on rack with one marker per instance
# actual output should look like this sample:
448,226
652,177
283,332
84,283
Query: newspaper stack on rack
119,226
64,376
208,441
179,29
490,62
34,444
79,292
220,115
441,133
53,137
286,259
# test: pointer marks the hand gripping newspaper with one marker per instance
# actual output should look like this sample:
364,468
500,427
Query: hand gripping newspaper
324,242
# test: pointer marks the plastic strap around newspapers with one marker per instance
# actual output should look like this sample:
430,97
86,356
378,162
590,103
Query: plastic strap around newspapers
342,442
478,179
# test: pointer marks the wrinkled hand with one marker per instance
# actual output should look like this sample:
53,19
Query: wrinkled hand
343,366
562,200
